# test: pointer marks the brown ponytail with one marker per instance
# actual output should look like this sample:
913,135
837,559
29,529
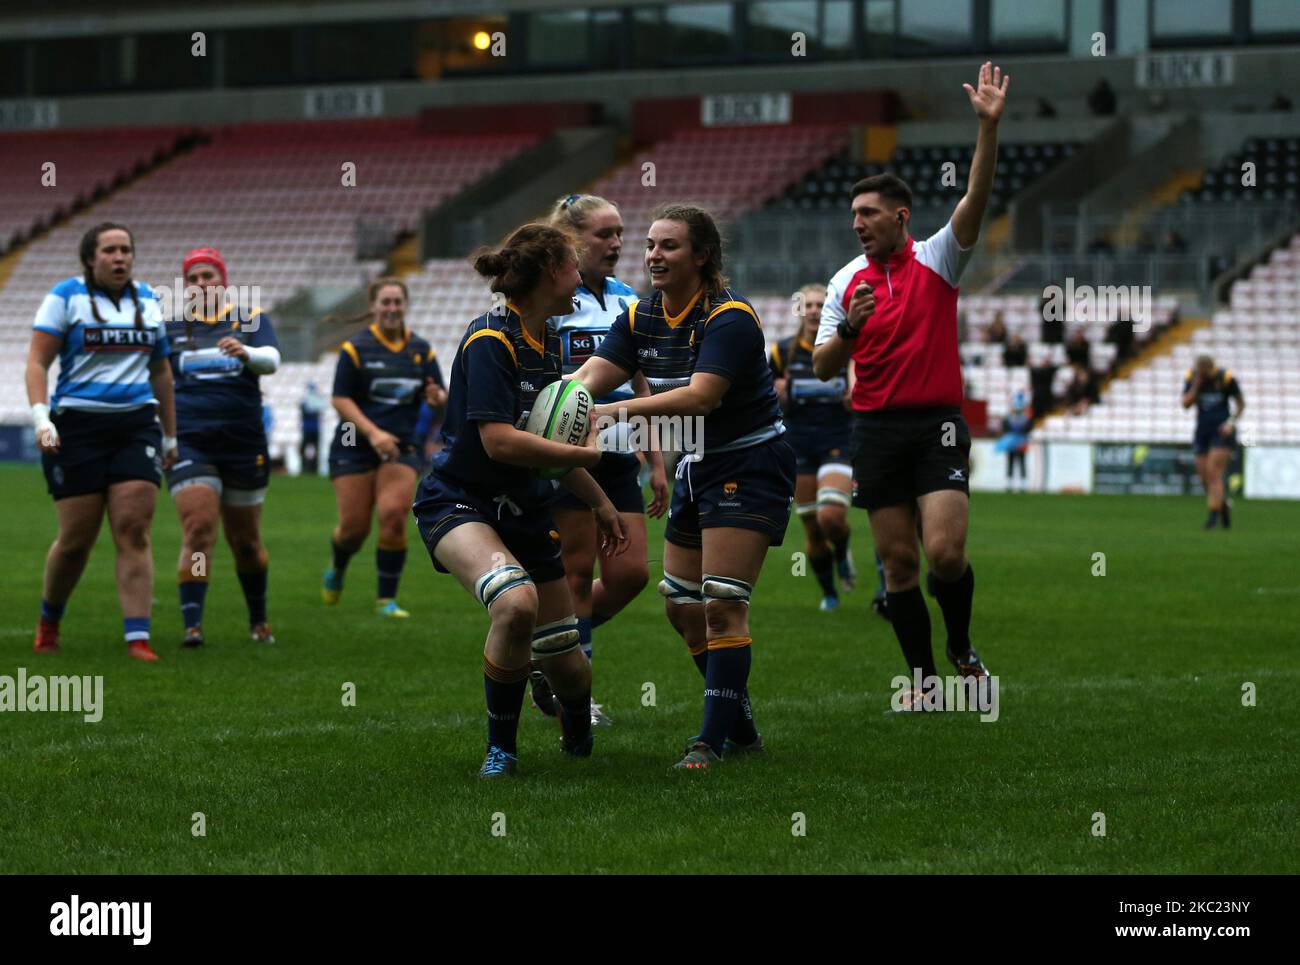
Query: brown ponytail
515,267
703,233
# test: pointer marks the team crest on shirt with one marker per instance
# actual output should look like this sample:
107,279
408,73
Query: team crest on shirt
729,491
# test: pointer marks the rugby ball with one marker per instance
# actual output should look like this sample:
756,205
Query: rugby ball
561,413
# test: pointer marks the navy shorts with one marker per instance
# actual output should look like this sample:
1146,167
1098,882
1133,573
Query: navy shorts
238,458
358,458
98,449
750,488
1209,437
616,474
814,448
901,454
528,531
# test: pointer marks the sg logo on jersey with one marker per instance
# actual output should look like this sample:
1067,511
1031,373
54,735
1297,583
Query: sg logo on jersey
582,345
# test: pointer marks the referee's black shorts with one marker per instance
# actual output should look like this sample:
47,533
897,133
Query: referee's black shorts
901,454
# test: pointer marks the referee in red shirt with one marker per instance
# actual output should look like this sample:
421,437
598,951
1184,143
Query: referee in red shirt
893,310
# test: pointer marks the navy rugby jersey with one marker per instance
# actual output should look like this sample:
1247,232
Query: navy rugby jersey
582,331
213,389
496,375
1212,408
386,379
720,335
814,405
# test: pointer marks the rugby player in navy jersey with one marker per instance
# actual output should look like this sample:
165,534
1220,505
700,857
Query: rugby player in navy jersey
701,349
599,300
483,510
384,372
108,433
219,353
1210,388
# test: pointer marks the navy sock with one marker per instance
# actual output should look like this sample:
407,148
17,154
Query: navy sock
52,612
743,730
702,662
598,618
955,602
841,547
911,620
504,694
193,593
823,569
389,564
575,717
136,628
584,634
340,557
724,685
254,586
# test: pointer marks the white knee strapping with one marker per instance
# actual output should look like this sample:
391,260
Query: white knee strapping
553,639
834,468
726,589
830,496
806,509
680,591
212,482
495,582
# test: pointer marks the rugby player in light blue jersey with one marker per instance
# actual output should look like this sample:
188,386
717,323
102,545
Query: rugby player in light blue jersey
102,448
219,353
600,299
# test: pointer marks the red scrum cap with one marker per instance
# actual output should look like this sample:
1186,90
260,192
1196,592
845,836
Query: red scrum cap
205,256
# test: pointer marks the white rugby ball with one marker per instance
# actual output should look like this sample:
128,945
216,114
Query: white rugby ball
561,413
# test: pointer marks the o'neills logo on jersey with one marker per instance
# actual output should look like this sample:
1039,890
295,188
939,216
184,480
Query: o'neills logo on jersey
116,339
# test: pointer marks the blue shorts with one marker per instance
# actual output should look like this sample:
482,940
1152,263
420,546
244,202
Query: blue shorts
616,474
239,459
814,448
747,489
1209,437
359,458
528,531
98,449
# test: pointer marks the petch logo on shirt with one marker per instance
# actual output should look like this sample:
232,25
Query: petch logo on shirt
116,339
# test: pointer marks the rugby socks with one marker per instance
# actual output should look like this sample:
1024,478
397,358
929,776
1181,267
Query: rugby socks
724,687
911,620
389,560
743,730
841,547
136,628
504,692
823,568
253,583
575,717
585,625
598,618
52,612
193,590
955,602
341,557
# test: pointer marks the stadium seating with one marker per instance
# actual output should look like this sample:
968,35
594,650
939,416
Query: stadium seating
1257,337
1277,174
28,203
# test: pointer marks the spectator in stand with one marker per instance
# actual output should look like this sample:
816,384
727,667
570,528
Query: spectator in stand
1120,334
1101,245
1174,243
1082,390
1051,331
1101,99
1146,245
1077,350
997,331
1041,376
1016,352
1280,102
1045,108
313,404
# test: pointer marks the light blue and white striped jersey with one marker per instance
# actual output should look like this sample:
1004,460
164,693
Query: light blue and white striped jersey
103,366
581,332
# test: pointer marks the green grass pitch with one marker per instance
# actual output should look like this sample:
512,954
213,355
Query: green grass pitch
1120,694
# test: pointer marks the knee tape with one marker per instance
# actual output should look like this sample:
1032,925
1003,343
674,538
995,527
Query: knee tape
830,496
680,591
726,589
495,582
553,639
806,509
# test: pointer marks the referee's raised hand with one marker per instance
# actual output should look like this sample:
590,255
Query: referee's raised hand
861,306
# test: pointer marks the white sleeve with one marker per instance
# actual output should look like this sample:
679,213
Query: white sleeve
943,255
262,359
52,316
832,313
